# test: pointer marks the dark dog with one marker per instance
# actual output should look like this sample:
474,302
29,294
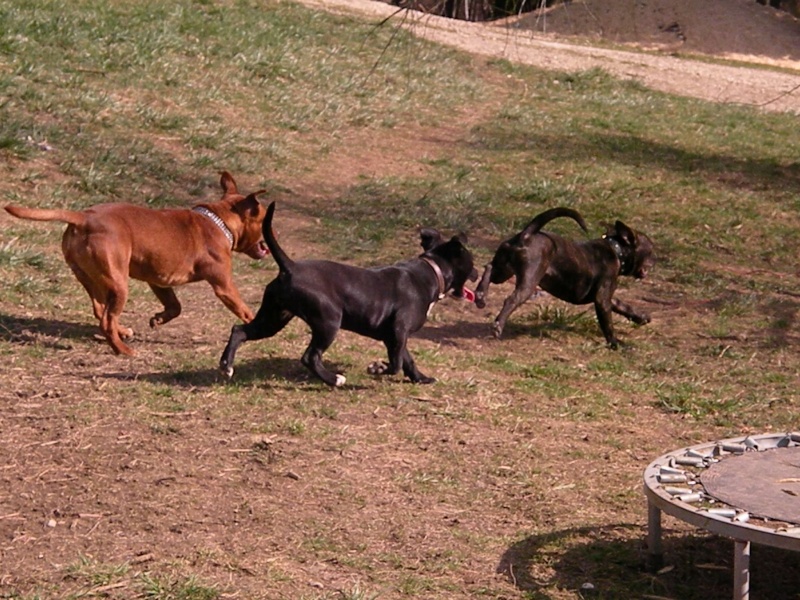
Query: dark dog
576,272
385,303
107,244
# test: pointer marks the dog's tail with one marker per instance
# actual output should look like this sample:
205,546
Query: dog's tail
284,262
544,218
47,214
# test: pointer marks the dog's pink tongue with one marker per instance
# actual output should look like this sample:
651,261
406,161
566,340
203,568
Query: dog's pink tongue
469,295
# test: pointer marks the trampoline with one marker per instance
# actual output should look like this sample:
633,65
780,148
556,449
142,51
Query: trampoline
747,489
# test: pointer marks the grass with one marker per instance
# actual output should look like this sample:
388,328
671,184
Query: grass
518,473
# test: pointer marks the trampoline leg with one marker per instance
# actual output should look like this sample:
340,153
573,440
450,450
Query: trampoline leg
741,570
654,536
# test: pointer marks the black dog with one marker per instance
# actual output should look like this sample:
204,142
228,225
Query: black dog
386,303
576,272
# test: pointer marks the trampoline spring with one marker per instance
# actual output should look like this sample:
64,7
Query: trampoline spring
722,512
694,461
695,454
750,443
672,478
742,517
677,491
734,448
689,498
793,531
671,471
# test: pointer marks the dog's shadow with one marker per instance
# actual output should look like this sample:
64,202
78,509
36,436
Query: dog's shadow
450,333
601,560
50,333
278,372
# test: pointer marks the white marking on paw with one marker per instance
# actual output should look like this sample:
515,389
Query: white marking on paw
229,372
340,379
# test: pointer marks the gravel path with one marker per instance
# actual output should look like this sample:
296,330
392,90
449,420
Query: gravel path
765,88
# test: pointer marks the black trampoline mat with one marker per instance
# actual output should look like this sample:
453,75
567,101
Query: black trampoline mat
766,484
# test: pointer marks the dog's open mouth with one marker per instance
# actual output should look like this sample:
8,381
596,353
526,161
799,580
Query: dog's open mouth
258,250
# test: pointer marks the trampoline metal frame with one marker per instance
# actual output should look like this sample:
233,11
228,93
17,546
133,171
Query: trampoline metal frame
661,497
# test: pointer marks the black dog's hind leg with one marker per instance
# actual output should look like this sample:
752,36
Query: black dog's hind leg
630,313
526,285
269,320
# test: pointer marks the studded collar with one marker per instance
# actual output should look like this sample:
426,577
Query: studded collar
217,220
625,262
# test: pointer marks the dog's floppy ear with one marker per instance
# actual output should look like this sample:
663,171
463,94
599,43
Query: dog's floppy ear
625,233
429,238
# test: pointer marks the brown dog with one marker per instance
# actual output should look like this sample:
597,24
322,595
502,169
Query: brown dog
107,244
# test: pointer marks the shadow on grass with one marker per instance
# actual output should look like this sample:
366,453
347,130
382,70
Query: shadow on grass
46,332
613,559
448,334
726,169
279,372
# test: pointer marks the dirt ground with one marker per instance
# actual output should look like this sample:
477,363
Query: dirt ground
191,485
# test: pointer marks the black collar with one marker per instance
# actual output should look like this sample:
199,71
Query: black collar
625,262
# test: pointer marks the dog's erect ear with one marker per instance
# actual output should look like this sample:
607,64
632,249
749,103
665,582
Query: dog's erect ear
625,233
461,237
429,238
228,184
